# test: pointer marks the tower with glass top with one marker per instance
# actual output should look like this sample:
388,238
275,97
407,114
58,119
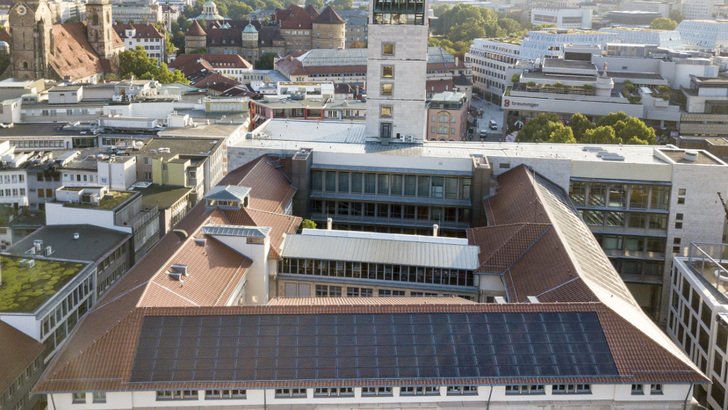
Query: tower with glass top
397,71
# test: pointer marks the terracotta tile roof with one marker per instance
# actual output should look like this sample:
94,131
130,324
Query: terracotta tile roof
104,363
195,30
73,56
214,272
213,60
565,263
211,79
142,30
329,16
18,352
270,188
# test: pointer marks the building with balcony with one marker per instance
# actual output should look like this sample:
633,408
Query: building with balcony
698,316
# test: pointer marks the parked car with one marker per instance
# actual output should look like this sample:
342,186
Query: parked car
492,125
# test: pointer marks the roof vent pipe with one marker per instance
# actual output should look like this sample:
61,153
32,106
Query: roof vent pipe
329,224
76,235
691,156
435,229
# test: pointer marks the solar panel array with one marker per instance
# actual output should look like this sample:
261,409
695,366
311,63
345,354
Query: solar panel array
371,346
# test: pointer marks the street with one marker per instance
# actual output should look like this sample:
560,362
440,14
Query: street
490,112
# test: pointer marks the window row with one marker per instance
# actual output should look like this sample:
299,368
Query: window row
627,243
12,192
13,178
377,271
619,195
422,186
390,211
621,219
67,305
379,391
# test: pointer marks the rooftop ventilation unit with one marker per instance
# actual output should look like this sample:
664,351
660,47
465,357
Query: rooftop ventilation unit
48,251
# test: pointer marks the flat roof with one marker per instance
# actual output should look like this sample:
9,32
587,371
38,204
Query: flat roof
45,278
164,196
203,131
93,242
412,250
348,138
185,146
572,64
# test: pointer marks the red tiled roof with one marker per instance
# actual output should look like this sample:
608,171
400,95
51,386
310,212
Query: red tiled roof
294,17
18,352
142,30
73,56
280,225
329,16
184,61
311,10
270,187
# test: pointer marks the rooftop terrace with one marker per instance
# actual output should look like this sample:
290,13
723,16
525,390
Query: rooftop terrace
110,201
25,288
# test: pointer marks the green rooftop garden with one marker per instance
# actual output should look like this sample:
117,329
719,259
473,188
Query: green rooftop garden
110,201
24,289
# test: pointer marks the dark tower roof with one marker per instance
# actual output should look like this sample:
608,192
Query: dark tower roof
195,30
329,16
311,10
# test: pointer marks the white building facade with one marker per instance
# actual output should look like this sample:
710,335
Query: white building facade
562,17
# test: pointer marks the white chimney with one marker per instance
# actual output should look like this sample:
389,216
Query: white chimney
329,224
435,229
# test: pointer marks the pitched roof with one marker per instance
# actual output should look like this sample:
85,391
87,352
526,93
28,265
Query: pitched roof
270,188
195,30
142,30
228,193
294,17
329,16
74,57
19,351
311,10
561,261
108,362
5,35
183,62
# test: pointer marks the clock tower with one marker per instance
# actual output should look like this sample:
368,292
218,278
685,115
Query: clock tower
31,41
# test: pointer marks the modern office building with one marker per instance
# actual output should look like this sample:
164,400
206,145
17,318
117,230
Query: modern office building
371,187
669,39
705,35
698,316
562,17
493,64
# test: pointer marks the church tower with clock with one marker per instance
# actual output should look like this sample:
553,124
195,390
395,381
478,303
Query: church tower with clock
30,39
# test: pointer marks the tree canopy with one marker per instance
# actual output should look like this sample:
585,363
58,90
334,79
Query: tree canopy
235,9
456,27
676,15
615,128
265,62
137,63
663,23
317,4
342,4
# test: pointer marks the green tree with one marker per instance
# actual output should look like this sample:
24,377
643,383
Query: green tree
561,134
137,63
510,26
676,16
579,125
539,129
440,9
612,118
308,224
179,41
633,128
265,62
342,4
198,50
600,135
317,4
663,23
238,11
516,78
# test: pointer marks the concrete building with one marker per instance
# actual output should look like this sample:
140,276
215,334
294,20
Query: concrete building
314,109
706,108
397,71
700,9
651,371
366,186
562,17
447,115
549,42
493,64
137,12
698,316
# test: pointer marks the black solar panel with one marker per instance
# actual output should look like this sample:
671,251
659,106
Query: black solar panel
371,346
